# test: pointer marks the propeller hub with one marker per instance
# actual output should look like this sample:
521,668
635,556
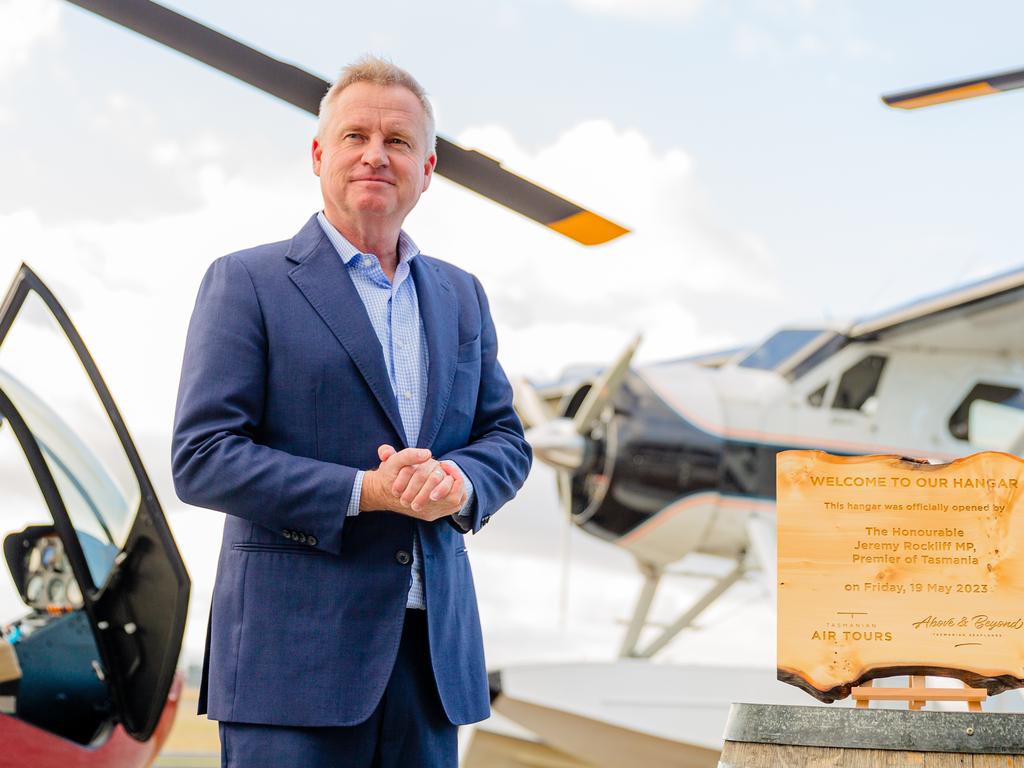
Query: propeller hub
557,443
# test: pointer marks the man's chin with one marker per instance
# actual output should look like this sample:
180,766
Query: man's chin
373,205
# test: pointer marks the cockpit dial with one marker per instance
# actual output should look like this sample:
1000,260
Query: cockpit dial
34,588
49,583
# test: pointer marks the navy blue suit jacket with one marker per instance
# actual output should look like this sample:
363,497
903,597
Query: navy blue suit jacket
284,395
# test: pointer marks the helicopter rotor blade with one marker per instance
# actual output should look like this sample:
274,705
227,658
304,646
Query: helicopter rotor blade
469,168
942,93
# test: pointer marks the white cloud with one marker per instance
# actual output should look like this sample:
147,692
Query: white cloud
558,303
23,24
647,9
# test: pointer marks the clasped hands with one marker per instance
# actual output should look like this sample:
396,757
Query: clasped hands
411,482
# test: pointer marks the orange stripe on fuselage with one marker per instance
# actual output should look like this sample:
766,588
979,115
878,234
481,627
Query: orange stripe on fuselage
676,508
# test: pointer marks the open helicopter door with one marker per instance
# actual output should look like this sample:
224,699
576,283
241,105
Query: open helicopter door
133,582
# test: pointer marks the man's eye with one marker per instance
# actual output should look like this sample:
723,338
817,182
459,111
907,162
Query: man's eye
352,136
398,141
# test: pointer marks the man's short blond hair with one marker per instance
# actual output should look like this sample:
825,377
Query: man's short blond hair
379,71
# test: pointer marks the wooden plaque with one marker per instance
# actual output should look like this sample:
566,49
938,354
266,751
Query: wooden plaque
892,567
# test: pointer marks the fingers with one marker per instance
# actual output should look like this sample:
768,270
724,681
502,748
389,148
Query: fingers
458,492
443,488
421,485
426,475
447,497
402,480
436,487
458,489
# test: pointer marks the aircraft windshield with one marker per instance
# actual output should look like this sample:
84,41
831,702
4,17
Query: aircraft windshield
779,348
54,396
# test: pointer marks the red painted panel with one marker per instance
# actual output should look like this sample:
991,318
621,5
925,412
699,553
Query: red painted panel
24,746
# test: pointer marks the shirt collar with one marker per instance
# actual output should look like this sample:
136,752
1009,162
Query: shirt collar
407,249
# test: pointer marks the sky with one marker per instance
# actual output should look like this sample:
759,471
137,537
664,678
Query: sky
743,142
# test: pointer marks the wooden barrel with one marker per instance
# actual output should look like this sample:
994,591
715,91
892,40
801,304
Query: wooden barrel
770,736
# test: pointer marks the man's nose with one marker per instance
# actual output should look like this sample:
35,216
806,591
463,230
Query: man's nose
375,154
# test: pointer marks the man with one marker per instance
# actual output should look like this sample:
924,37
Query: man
341,401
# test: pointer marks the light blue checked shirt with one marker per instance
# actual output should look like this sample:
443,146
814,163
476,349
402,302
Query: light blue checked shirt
394,312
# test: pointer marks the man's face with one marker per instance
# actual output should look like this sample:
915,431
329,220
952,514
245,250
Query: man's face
372,158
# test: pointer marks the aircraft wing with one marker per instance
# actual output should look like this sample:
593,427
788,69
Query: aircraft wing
984,316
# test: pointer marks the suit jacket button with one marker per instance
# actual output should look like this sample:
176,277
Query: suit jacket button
403,557
311,540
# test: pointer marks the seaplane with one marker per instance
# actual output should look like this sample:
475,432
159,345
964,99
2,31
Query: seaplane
678,457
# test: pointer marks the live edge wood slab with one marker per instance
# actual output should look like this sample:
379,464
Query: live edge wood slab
889,566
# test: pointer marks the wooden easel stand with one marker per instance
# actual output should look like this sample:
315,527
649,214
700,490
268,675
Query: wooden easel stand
918,694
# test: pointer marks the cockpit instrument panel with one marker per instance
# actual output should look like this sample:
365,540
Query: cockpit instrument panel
49,583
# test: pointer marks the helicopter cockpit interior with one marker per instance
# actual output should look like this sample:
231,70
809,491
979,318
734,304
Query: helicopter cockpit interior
59,682
56,679
92,614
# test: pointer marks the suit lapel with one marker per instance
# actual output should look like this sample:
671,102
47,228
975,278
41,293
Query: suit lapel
440,313
322,278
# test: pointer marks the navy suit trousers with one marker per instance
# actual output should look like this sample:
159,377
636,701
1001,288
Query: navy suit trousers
408,728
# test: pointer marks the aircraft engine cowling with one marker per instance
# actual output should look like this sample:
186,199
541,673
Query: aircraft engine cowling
639,458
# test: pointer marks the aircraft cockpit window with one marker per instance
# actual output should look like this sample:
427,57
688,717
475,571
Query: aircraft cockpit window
858,385
990,417
779,348
54,395
817,397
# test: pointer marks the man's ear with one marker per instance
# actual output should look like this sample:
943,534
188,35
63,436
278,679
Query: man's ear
428,170
317,153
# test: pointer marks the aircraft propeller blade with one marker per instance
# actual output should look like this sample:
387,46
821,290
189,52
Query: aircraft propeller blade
604,389
466,167
529,404
954,91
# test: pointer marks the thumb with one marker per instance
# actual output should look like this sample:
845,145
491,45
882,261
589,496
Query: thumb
385,452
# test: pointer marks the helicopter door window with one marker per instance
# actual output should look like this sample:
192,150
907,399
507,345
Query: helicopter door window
858,385
991,417
43,376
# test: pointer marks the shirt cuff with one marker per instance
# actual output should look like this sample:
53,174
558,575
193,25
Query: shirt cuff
464,517
357,495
